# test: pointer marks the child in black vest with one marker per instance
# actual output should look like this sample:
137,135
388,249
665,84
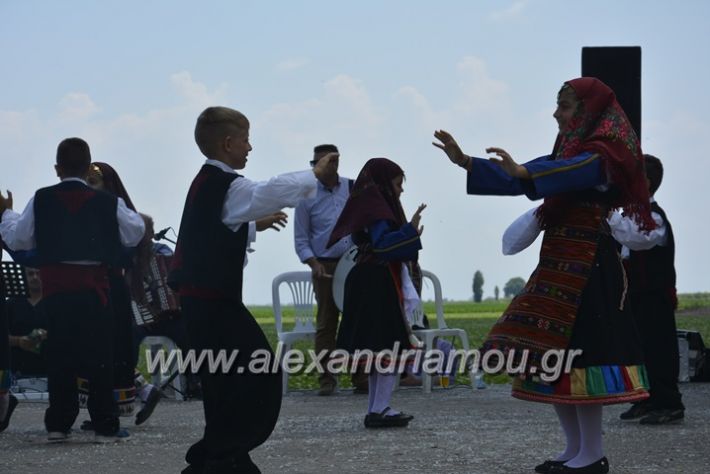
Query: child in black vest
652,297
77,232
241,406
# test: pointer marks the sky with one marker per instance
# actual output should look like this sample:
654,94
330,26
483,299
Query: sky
375,78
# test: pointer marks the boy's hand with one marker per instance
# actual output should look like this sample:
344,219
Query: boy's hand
320,169
508,164
5,202
274,221
450,147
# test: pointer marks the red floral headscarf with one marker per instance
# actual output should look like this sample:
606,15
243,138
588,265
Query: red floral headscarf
601,126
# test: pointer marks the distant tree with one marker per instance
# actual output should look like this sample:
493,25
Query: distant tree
513,287
477,286
496,292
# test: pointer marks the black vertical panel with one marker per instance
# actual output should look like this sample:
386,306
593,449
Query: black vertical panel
619,67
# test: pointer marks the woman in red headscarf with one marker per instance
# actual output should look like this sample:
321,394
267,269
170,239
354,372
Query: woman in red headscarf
575,298
373,317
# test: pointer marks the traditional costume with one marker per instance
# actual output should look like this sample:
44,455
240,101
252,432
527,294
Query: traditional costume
78,233
576,297
241,407
373,304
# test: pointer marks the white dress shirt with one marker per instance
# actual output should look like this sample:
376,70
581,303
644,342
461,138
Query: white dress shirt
18,230
626,231
247,200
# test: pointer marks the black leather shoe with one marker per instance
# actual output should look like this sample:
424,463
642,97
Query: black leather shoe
599,467
11,405
636,411
380,420
545,467
663,417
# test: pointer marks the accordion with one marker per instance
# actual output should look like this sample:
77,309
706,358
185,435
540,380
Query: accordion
160,301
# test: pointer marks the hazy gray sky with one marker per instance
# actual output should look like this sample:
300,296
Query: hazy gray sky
375,78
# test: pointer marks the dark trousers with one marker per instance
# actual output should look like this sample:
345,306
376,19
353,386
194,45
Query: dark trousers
655,319
241,408
79,341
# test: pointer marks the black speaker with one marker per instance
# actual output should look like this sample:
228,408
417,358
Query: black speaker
619,67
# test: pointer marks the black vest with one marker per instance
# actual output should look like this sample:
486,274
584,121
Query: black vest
75,222
209,256
654,269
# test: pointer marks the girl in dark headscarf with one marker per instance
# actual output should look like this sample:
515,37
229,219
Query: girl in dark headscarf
104,177
575,298
373,317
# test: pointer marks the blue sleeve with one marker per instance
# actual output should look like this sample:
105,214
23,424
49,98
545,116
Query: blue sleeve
487,178
550,177
400,244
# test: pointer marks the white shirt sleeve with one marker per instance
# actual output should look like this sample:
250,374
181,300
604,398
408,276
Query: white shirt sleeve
301,232
521,233
18,230
626,231
130,225
248,200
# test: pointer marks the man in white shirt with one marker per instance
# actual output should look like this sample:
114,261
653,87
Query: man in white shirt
314,220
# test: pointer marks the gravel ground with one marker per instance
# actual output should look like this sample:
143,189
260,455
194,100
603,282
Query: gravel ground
455,430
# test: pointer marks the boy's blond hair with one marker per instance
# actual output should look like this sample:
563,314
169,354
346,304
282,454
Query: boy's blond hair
215,123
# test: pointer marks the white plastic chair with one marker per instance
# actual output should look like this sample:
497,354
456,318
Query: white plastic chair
301,287
441,330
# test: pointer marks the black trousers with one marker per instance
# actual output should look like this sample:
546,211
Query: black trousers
125,358
655,319
80,341
241,408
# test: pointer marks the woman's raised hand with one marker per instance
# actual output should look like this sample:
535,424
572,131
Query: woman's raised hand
417,217
450,147
508,164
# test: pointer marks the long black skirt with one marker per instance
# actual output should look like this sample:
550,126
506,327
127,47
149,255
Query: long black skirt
372,314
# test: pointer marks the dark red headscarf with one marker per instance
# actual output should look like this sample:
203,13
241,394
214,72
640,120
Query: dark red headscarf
601,126
372,198
113,183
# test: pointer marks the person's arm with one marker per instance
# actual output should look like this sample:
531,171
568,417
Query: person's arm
18,230
488,178
626,231
398,244
131,226
302,241
302,232
248,200
550,177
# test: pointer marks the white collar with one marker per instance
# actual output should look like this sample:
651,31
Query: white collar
221,165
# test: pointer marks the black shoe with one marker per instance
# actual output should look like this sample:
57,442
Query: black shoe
545,467
154,397
663,417
380,420
599,467
636,411
327,388
192,469
86,425
11,405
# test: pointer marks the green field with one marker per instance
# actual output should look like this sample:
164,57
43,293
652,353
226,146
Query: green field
477,318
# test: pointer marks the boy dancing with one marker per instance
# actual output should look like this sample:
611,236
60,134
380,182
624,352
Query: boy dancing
241,408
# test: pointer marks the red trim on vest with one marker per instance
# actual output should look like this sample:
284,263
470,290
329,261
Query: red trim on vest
66,278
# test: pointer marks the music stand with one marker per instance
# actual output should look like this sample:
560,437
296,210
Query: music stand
14,280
